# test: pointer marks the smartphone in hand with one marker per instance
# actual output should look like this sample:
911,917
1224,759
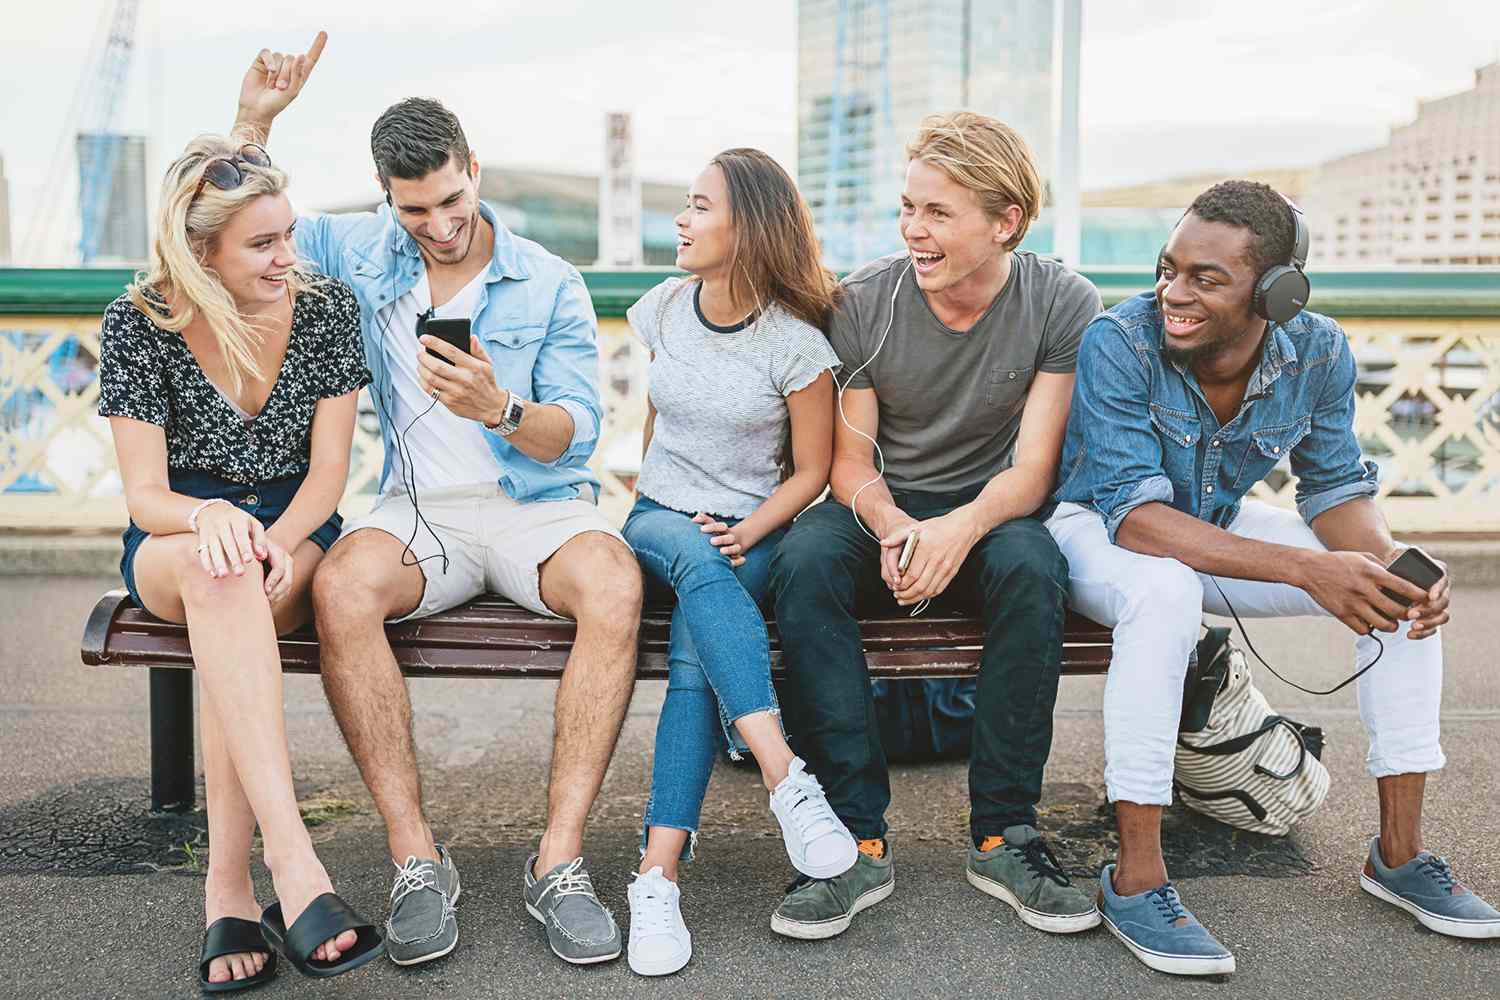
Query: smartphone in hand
449,331
1413,566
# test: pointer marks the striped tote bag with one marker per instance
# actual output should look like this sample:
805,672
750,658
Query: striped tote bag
1250,767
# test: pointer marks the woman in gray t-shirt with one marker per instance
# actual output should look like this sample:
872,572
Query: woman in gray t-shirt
739,367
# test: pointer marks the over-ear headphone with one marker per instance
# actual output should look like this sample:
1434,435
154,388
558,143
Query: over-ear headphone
1283,290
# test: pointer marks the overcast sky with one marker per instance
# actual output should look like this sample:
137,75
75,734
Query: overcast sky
1169,86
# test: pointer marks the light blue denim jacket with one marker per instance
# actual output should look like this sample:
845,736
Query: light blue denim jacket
535,320
1141,431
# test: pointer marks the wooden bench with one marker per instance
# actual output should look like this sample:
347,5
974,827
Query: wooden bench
492,637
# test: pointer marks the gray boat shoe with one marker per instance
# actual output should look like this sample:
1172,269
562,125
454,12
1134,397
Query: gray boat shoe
423,924
580,929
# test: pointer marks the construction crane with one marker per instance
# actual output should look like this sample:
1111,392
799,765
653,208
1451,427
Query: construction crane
98,142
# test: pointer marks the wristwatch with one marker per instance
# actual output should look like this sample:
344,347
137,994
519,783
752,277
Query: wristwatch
510,415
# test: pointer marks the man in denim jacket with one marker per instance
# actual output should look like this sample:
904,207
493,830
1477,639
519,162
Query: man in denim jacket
1185,398
485,487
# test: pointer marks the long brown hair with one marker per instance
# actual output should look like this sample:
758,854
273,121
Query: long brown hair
776,257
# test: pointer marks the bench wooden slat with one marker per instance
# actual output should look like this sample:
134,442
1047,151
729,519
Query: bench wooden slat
491,637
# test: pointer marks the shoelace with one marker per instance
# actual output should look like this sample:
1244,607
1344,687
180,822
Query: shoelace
811,813
413,876
650,912
1168,903
1040,859
572,881
1438,869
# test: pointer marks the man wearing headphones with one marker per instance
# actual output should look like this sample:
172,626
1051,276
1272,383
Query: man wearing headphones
486,487
1186,396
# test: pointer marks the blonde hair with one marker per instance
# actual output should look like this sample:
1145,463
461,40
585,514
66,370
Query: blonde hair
177,286
986,156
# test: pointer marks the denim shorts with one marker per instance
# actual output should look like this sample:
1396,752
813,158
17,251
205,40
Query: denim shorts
266,500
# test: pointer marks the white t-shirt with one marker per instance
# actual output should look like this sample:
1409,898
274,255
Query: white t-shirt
446,450
720,397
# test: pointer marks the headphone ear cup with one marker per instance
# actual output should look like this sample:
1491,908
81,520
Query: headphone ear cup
1280,294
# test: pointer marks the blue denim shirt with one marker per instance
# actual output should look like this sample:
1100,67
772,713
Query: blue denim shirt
1141,431
535,320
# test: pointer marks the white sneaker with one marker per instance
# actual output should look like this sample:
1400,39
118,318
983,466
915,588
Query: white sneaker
817,842
659,941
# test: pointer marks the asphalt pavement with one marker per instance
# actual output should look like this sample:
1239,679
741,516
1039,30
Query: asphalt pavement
99,899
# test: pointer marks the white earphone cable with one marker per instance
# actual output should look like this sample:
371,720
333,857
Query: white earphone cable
879,455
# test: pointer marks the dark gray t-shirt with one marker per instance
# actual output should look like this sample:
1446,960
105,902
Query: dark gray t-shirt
950,402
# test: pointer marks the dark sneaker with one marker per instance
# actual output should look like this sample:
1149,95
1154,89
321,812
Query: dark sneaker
1426,888
1160,931
423,924
580,929
1019,869
816,908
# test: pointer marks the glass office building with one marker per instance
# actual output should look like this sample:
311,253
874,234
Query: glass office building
870,70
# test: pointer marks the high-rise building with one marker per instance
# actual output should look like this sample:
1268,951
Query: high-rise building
124,226
870,70
1431,195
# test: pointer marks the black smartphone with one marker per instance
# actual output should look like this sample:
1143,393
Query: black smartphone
449,331
1413,566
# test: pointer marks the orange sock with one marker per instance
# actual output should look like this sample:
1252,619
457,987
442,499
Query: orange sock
990,843
874,848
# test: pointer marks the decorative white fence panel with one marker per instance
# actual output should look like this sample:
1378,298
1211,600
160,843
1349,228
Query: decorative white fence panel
1428,413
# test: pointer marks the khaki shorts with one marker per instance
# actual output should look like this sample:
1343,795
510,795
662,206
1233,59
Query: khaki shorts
493,544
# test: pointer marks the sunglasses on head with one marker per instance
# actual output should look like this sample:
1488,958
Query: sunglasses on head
224,172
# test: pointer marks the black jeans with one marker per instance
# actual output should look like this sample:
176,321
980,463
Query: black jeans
826,573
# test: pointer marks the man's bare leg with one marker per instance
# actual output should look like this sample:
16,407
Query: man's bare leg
1400,819
595,580
1140,866
361,583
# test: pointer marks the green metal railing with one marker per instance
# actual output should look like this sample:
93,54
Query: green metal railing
1428,405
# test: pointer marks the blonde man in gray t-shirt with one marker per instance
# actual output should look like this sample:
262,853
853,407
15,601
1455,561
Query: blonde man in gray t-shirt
959,354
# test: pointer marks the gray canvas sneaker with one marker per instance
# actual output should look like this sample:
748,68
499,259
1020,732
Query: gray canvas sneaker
423,924
815,908
580,929
1426,888
1022,872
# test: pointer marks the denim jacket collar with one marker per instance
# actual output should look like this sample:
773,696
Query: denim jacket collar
1277,352
505,260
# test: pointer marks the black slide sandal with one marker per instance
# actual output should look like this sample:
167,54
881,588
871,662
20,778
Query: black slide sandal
325,918
233,936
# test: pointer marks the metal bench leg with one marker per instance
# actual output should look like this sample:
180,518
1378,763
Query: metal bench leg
172,788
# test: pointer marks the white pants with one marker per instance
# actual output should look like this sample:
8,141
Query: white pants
1155,606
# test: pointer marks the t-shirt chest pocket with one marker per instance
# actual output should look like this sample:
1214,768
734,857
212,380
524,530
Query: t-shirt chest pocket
1007,387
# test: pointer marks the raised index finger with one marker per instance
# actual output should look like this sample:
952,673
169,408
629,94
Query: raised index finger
316,49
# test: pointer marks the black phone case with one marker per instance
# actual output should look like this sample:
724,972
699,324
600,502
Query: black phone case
1413,566
450,331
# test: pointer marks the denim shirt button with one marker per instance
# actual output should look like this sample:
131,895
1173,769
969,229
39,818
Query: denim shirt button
1208,489
1215,442
252,500
1276,449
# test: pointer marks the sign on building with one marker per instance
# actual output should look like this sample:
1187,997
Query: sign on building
619,196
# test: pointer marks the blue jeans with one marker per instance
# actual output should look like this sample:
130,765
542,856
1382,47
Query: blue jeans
719,655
